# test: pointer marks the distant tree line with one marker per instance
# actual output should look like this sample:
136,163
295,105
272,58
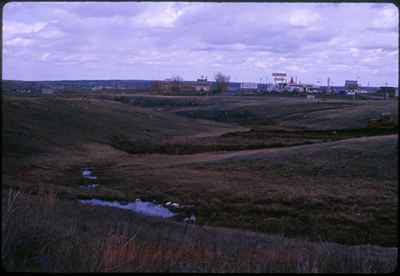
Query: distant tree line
176,84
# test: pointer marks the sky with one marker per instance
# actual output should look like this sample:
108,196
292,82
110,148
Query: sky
158,40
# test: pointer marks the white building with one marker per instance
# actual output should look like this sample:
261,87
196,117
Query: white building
296,88
202,85
312,88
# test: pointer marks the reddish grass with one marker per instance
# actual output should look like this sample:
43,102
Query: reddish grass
37,237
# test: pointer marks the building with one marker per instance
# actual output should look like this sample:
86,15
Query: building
202,85
295,87
280,81
351,86
309,88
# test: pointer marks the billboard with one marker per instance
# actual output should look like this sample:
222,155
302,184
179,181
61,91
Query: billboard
279,77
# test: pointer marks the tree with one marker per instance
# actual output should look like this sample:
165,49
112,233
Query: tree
221,82
156,86
176,83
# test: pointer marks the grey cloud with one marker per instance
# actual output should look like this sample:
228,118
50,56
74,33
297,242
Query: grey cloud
246,40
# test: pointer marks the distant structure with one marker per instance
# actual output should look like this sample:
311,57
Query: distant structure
280,80
351,86
293,86
309,88
281,84
328,86
202,85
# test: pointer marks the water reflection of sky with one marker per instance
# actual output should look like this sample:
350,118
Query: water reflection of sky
138,206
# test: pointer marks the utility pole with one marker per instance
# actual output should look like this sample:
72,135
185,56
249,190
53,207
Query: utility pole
328,84
386,93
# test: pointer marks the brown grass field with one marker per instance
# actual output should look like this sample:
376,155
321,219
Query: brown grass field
277,184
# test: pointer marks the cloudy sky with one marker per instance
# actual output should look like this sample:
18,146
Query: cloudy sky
248,41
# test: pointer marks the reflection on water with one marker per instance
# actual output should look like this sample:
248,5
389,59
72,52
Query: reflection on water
138,206
88,187
87,173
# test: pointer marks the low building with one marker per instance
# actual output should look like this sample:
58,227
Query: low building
350,85
202,85
296,88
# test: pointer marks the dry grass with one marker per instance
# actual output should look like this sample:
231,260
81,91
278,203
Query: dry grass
38,236
305,191
299,192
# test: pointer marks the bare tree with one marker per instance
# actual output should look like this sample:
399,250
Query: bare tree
176,83
156,86
221,82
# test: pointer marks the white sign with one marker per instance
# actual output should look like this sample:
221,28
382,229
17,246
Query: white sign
279,74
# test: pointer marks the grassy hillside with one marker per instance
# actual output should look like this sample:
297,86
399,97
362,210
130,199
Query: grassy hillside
293,112
297,113
322,180
369,157
33,125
